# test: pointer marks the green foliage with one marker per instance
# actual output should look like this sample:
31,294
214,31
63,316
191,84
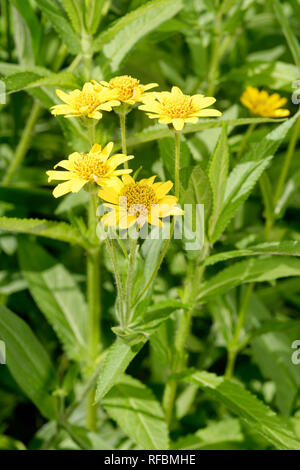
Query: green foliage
58,297
28,362
182,344
137,412
252,411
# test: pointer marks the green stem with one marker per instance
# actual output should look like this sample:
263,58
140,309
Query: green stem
23,144
112,253
245,140
123,135
287,161
194,279
130,277
233,347
92,135
177,164
94,308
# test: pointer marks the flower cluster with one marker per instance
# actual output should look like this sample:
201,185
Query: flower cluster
136,202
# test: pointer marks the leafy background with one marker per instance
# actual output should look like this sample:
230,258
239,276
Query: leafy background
199,45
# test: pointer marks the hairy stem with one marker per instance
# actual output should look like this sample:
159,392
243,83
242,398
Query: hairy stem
177,164
123,135
94,308
130,277
112,253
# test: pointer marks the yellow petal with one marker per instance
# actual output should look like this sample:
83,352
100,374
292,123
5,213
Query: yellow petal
127,179
161,189
209,113
62,188
58,175
178,124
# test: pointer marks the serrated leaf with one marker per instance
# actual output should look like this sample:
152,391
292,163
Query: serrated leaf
58,297
61,24
285,248
75,11
251,410
287,31
95,9
118,40
253,270
132,405
61,231
28,14
117,359
217,435
28,362
28,80
217,173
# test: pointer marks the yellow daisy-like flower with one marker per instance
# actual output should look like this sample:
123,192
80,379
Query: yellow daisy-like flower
128,89
94,166
176,108
263,104
138,202
88,102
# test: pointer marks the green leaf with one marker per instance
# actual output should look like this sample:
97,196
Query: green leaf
159,131
251,410
253,270
75,11
246,174
132,405
58,297
117,359
28,14
95,9
272,353
287,31
60,23
28,80
61,231
28,362
292,185
199,190
239,185
118,40
285,248
217,173
218,435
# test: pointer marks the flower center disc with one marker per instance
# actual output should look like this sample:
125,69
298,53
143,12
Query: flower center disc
89,168
140,198
126,85
86,102
178,106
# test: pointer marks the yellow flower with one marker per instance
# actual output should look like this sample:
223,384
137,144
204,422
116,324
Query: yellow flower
176,108
263,104
94,166
128,89
137,202
88,102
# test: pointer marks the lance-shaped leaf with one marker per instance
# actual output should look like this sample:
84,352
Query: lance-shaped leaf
138,413
58,297
118,40
28,362
61,231
251,410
